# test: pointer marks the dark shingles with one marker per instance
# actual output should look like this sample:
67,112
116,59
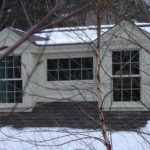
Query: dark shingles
75,115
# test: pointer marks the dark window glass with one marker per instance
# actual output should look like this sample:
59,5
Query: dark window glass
116,83
126,82
52,75
87,74
116,57
9,61
9,73
117,95
126,95
2,73
18,96
125,64
10,97
64,75
75,74
70,69
63,63
135,68
2,86
17,72
52,64
134,56
18,85
87,62
116,69
2,97
125,56
135,95
125,68
136,82
76,63
2,64
11,85
17,61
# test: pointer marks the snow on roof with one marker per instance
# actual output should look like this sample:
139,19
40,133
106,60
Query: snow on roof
70,35
74,35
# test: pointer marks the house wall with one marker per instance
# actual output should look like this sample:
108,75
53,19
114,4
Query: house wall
61,91
36,88
123,37
126,37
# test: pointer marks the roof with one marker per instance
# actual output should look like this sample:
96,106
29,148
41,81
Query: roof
71,35
32,39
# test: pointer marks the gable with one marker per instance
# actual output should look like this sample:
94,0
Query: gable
125,34
9,38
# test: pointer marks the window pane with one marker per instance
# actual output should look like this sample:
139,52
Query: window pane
18,85
2,73
126,68
117,95
10,97
135,68
2,97
87,74
9,72
136,82
116,69
52,75
134,56
9,61
2,86
17,72
63,63
125,56
125,64
87,62
116,83
126,83
11,85
18,96
52,64
76,63
17,61
75,74
64,75
126,95
2,64
135,95
116,56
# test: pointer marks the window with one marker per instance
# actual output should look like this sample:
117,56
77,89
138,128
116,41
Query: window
10,80
126,75
70,69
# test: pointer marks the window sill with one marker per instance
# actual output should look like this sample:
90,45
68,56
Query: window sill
14,107
126,106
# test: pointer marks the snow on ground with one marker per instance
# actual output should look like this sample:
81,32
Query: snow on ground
71,139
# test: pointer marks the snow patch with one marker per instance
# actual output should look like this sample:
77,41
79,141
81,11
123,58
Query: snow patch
72,139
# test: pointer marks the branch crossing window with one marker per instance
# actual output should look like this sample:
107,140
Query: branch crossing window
10,80
126,75
70,69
